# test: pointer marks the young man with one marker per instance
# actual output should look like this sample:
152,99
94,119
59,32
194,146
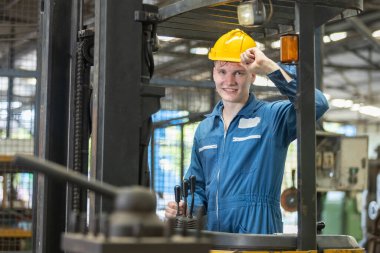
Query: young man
240,149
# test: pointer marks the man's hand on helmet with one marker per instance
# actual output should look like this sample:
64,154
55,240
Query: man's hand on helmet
257,62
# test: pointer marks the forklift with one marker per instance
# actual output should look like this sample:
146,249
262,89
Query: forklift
116,54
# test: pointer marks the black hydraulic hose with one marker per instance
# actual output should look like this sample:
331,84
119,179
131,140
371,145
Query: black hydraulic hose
150,59
152,42
148,47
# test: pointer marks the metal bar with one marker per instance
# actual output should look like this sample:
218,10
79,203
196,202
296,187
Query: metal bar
182,151
9,108
59,172
182,6
188,34
325,14
18,73
306,128
10,4
318,75
54,52
152,159
4,188
10,87
116,110
318,53
11,193
350,67
366,59
348,82
362,29
344,25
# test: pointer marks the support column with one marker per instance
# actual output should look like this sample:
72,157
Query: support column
52,122
306,127
116,116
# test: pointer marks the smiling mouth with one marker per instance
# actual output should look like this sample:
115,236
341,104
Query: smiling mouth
229,90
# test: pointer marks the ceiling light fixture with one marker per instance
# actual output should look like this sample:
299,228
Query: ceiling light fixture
376,33
253,12
355,107
275,44
261,46
370,110
326,39
338,36
166,38
342,103
199,50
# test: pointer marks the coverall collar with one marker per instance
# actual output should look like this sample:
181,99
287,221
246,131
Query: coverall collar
247,109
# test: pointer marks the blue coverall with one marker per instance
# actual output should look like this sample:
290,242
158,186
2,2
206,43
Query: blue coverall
239,171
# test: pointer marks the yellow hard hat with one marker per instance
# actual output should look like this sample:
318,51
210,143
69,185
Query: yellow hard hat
230,45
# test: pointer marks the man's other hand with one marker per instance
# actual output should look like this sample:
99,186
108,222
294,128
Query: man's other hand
171,209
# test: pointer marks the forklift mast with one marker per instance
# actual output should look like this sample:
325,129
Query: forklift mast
122,100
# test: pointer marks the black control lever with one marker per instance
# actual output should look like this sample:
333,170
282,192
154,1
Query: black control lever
320,226
192,191
177,194
185,192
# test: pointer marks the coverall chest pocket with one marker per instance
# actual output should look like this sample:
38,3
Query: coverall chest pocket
208,152
246,145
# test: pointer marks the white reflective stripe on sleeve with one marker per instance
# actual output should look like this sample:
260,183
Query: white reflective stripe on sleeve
256,136
207,147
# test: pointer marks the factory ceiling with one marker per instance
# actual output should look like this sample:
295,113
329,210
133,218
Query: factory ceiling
351,62
350,53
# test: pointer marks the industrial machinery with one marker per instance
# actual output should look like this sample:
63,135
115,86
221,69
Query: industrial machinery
370,207
341,162
341,172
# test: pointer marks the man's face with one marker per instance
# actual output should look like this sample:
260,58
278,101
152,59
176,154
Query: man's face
232,81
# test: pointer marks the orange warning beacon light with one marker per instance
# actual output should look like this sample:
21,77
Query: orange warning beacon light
289,48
